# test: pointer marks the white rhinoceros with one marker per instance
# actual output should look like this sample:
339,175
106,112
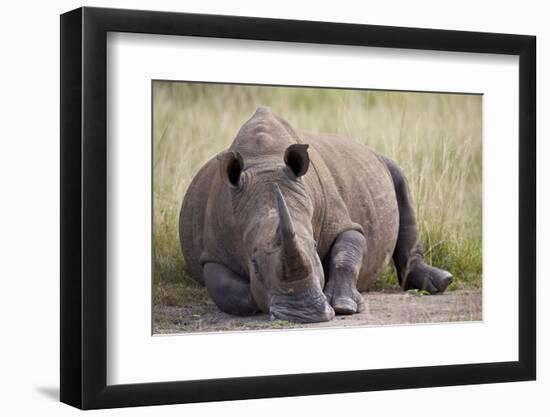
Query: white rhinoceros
296,224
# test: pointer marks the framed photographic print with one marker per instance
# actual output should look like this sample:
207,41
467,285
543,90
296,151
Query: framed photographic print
257,207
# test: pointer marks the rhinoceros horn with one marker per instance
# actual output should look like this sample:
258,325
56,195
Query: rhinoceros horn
295,265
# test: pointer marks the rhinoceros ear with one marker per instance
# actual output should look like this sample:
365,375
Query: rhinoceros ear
231,166
297,158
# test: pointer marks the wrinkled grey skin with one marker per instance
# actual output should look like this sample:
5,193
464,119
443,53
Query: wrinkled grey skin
296,224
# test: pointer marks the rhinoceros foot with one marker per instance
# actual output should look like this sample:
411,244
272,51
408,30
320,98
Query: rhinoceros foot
344,299
347,305
428,278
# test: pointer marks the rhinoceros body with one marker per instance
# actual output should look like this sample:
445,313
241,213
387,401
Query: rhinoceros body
267,223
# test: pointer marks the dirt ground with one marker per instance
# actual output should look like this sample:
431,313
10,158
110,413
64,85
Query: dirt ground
382,308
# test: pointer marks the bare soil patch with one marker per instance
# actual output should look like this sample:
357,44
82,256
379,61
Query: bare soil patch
382,308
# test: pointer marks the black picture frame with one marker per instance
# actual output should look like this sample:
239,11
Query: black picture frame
84,207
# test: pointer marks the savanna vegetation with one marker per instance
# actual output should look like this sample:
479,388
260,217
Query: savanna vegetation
435,138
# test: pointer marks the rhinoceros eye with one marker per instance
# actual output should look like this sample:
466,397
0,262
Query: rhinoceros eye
256,269
254,263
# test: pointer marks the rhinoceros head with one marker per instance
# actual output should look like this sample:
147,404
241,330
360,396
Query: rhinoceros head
264,172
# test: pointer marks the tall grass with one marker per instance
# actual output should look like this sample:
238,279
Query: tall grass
435,138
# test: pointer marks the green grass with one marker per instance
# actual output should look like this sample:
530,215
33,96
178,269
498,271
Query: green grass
435,138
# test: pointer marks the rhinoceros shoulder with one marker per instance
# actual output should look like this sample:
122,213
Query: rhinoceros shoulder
357,193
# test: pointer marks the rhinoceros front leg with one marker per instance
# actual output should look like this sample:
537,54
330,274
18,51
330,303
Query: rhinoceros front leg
345,260
230,292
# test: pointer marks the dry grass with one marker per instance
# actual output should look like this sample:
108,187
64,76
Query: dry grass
435,138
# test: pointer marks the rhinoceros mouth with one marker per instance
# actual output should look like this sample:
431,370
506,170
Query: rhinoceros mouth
302,307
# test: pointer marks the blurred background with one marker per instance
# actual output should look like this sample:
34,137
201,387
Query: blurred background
435,138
